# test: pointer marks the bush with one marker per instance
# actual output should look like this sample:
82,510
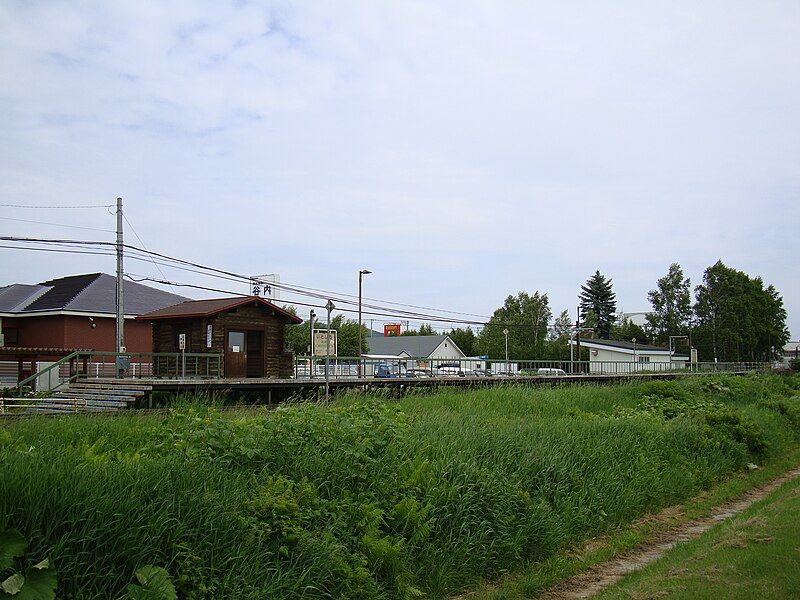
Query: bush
370,498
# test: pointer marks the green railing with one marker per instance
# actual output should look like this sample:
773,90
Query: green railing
347,367
130,365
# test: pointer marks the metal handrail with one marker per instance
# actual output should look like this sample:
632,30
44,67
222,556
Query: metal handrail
79,354
55,365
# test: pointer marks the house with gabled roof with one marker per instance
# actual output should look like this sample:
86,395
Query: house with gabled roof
77,312
248,331
416,346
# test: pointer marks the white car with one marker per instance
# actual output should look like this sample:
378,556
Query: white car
551,372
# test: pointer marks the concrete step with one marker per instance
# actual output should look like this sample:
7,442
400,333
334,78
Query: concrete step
80,404
102,392
97,398
104,384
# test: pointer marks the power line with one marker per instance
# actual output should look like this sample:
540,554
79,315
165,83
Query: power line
218,290
56,224
56,206
236,277
141,241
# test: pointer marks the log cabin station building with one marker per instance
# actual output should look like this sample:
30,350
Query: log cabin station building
248,332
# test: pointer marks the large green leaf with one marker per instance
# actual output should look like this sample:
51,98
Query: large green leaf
12,545
155,585
40,582
12,585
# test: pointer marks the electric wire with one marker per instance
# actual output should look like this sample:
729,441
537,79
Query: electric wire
239,278
56,206
57,224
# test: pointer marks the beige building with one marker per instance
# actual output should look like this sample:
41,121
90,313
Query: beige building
617,356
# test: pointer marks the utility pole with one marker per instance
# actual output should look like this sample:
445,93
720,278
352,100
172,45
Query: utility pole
578,340
508,367
329,306
120,294
361,274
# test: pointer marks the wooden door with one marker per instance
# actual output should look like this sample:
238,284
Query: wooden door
236,355
255,354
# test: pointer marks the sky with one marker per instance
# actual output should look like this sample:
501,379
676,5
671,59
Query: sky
462,151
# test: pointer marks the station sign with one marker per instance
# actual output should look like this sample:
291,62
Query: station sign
321,342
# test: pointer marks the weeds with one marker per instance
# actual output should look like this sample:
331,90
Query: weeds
369,498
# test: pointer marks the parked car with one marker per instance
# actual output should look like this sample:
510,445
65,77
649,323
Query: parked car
419,373
548,372
383,371
483,373
449,370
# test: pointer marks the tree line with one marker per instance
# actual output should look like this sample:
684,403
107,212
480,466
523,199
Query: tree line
731,317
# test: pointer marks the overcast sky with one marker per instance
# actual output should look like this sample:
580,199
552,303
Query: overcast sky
461,150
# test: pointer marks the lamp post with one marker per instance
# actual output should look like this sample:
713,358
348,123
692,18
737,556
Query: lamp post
634,354
505,333
311,316
329,307
361,274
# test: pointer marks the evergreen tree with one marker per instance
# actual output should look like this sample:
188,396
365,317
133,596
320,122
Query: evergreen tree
672,306
598,297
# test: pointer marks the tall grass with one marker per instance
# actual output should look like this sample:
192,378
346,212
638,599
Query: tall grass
369,498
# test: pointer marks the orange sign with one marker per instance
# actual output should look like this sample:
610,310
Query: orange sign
391,329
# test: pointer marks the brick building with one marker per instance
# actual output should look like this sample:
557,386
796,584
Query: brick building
77,312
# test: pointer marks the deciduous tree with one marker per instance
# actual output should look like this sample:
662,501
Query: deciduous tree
672,306
737,318
527,318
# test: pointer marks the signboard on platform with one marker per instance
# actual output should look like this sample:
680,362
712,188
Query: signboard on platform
321,342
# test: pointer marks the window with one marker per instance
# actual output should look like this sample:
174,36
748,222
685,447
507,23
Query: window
644,359
11,335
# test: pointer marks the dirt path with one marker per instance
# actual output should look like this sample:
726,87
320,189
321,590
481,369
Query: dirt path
597,578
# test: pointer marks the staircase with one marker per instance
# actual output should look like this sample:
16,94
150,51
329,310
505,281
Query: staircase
93,395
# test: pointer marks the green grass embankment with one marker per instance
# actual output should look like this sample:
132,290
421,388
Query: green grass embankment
373,499
754,555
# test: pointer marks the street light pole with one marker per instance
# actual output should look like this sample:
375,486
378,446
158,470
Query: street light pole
311,316
361,274
505,333
634,354
329,306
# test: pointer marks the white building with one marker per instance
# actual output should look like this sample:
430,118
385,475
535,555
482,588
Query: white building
616,356
429,351
637,318
790,352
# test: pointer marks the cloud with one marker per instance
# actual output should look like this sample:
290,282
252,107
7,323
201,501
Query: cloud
473,149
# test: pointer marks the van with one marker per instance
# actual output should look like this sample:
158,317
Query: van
547,372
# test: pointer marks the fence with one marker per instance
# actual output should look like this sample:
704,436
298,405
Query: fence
408,367
95,365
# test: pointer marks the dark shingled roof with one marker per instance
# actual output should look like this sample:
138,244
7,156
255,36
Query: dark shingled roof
207,308
417,346
89,293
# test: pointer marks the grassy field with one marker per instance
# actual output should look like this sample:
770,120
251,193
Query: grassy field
369,498
755,555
